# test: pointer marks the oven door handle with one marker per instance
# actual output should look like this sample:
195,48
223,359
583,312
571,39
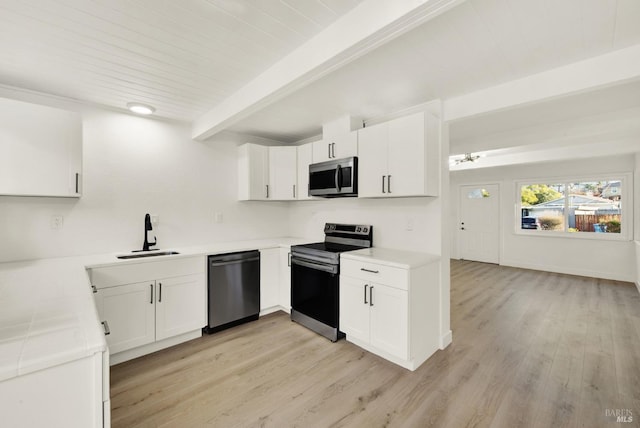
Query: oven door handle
316,266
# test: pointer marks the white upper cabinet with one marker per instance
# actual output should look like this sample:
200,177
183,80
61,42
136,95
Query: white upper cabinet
340,146
399,157
253,172
267,173
305,153
40,150
283,173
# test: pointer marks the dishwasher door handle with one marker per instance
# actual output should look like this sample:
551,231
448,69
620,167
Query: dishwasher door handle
234,262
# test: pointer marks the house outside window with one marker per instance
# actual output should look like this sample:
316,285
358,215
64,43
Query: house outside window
579,208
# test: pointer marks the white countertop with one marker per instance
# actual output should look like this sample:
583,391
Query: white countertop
47,312
390,257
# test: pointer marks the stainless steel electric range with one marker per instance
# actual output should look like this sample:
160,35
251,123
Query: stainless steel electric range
315,281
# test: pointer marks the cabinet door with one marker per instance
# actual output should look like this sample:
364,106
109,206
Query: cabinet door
372,160
283,171
180,305
305,153
253,172
269,277
389,320
354,308
321,151
40,150
129,311
285,279
406,164
346,145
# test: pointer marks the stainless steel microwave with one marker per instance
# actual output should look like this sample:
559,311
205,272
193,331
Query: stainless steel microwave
334,178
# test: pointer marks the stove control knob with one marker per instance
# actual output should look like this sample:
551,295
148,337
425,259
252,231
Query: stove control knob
358,229
365,230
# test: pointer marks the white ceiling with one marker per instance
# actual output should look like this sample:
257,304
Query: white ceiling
184,57
477,44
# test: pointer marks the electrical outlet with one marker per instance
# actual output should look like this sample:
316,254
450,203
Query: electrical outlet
155,219
217,217
57,222
409,224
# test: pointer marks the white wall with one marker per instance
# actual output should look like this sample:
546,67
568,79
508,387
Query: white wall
597,258
132,166
389,218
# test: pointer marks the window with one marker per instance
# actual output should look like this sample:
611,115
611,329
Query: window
591,207
478,194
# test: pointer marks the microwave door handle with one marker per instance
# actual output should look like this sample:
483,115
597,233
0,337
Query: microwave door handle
338,178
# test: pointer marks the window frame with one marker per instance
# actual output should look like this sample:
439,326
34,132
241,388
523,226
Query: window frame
626,205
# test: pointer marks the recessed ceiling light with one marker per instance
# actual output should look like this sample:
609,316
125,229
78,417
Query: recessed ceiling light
140,108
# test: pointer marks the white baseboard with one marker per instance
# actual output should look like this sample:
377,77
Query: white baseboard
130,354
273,309
446,339
569,271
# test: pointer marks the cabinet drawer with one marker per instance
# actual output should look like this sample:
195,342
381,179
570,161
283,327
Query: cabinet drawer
381,274
110,276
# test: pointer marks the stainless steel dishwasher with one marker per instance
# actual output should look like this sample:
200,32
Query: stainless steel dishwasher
233,289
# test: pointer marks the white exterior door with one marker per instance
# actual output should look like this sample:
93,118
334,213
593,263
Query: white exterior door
479,223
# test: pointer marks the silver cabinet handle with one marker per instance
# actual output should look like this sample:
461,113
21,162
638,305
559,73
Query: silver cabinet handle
365,293
370,271
94,289
77,181
383,185
294,191
333,150
267,186
289,260
105,325
151,299
160,292
329,150
371,296
388,183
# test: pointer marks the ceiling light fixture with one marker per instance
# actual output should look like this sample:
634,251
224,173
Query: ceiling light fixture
467,158
140,108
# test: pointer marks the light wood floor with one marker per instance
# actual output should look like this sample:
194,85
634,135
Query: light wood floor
529,349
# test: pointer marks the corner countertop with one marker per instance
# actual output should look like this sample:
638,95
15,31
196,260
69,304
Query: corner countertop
390,257
47,312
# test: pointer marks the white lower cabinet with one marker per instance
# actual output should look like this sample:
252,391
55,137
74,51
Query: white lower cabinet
73,394
269,279
142,316
388,310
129,314
285,278
375,314
179,305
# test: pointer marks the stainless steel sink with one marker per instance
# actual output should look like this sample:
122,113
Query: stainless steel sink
150,254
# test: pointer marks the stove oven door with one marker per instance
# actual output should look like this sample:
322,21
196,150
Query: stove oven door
315,291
